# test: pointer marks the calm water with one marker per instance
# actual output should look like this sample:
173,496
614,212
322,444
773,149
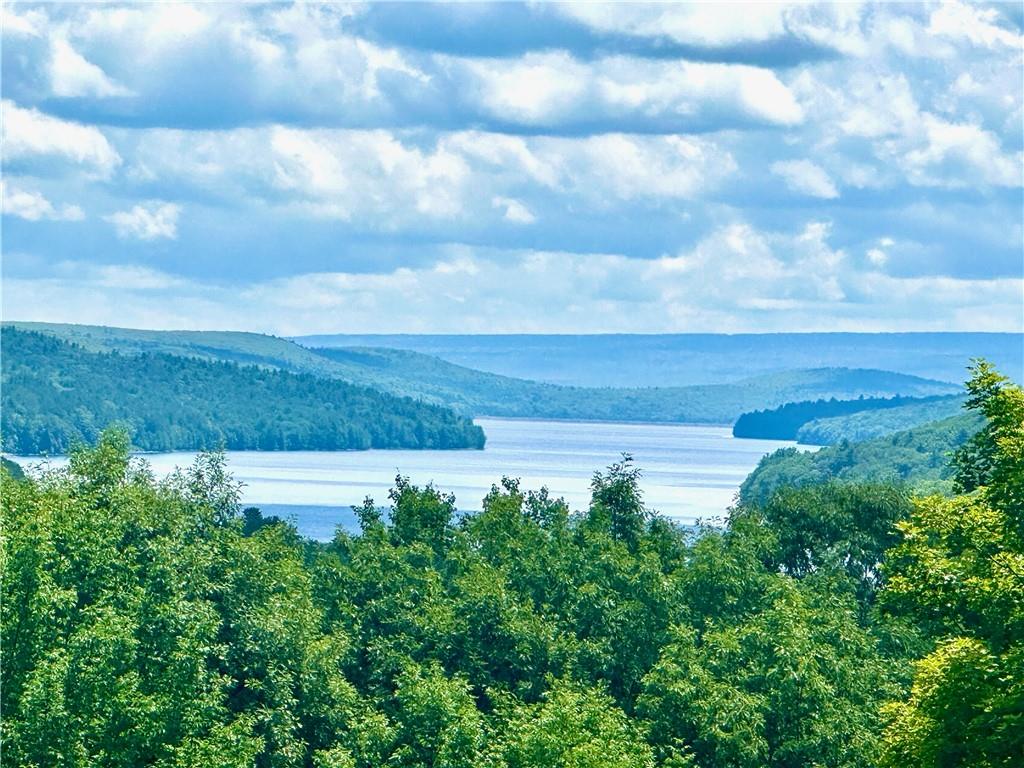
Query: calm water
688,471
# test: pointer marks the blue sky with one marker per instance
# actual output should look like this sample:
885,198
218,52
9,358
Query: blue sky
514,168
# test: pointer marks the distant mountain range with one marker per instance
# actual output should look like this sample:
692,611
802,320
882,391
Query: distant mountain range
477,393
634,360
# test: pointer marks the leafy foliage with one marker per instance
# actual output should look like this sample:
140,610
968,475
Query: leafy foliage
151,622
55,394
959,572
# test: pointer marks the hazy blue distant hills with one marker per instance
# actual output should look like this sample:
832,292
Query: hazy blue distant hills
478,393
682,359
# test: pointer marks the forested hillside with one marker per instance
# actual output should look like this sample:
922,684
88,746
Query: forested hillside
474,393
55,393
786,421
918,457
865,425
484,394
841,625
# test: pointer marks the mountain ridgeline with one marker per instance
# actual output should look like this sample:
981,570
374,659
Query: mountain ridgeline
56,393
787,421
675,360
476,393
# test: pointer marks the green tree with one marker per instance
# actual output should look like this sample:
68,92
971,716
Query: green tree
958,571
617,501
573,727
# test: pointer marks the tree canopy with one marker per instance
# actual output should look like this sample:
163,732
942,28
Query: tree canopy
152,622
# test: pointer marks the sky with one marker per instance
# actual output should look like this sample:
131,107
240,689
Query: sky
496,168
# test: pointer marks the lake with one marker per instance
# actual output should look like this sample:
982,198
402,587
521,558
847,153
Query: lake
688,471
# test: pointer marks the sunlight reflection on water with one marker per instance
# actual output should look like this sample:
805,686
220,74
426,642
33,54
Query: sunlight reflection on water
688,471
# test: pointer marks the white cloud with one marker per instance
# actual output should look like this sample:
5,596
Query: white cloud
390,180
712,25
959,155
28,24
977,25
149,221
514,210
350,172
29,134
72,76
538,88
877,257
698,24
738,278
33,206
919,147
805,177
547,89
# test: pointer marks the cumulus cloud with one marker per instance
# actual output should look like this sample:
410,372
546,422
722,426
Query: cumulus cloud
709,25
927,149
738,278
33,206
30,135
394,179
977,25
806,178
302,65
554,89
361,144
149,221
72,76
514,210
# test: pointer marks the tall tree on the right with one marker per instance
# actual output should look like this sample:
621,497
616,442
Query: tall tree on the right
959,571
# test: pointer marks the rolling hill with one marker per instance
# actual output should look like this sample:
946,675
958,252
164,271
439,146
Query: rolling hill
918,457
669,360
476,393
56,393
865,425
787,421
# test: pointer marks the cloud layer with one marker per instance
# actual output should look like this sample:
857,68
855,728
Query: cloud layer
498,167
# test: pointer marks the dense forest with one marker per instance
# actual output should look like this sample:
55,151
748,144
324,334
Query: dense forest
786,421
836,625
918,457
477,393
56,393
865,425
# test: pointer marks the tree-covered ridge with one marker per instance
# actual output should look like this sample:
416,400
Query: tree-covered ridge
476,393
865,425
839,625
485,394
787,422
918,457
55,393
148,624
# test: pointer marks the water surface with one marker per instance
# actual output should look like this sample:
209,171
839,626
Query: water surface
688,471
